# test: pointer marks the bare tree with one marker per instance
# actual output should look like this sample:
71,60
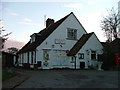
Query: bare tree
3,38
109,25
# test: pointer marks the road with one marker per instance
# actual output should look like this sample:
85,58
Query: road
70,79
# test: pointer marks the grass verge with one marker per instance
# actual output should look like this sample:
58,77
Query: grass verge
7,75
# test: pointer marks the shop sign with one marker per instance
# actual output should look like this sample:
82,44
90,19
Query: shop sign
59,41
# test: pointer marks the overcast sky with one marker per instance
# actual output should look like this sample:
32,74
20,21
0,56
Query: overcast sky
26,18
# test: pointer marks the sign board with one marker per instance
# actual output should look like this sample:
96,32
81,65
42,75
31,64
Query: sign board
59,41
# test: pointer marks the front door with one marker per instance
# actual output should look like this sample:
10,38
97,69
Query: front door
82,65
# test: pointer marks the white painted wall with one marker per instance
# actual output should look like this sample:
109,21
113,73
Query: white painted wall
58,58
93,44
61,33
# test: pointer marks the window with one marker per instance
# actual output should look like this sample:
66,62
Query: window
81,55
71,33
93,55
73,59
32,39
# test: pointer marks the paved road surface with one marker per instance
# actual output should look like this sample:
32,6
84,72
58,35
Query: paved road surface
70,79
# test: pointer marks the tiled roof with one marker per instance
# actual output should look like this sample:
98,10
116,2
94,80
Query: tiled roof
42,36
115,45
112,47
74,50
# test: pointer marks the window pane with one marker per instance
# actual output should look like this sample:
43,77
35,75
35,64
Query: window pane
71,33
81,55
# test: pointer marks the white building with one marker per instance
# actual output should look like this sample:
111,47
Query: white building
62,44
119,17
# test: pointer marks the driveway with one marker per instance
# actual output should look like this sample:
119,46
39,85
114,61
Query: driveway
70,79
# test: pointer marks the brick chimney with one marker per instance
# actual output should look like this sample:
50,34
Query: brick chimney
49,21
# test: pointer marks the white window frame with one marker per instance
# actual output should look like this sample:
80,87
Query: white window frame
80,55
71,33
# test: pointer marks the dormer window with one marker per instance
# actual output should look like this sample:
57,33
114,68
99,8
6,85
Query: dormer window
32,38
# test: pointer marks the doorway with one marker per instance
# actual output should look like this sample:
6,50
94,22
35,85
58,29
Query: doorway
82,65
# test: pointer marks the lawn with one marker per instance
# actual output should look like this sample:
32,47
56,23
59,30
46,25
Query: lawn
7,75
